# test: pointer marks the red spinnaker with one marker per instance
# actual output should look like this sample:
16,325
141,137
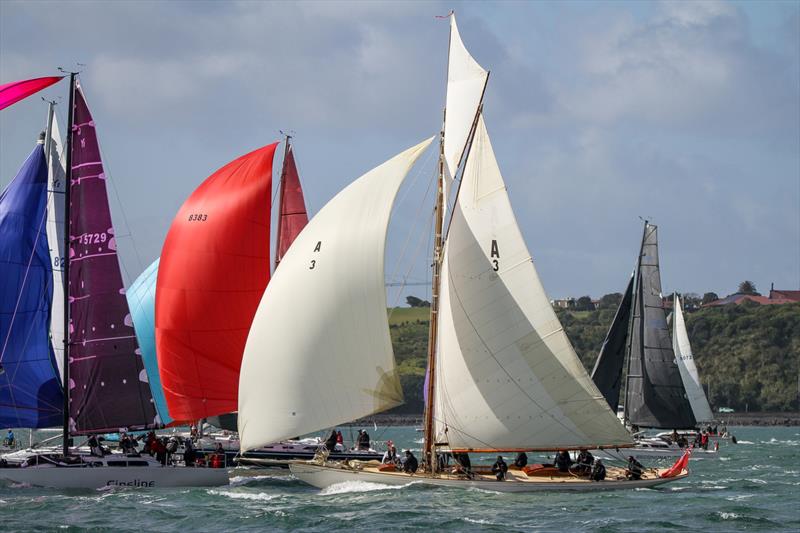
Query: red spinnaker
293,216
214,269
11,93
679,465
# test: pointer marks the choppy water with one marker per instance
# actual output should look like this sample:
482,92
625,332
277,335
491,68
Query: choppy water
754,486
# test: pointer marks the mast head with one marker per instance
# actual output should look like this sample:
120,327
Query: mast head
42,136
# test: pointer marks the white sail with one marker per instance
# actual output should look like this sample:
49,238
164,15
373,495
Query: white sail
319,351
54,151
466,81
507,377
689,375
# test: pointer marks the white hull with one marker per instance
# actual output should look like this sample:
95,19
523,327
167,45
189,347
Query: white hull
322,476
82,477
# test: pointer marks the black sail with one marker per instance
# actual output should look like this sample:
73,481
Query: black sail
655,396
607,373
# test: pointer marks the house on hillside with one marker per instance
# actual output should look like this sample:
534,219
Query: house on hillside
776,297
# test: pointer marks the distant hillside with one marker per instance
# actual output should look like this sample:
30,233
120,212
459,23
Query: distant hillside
748,354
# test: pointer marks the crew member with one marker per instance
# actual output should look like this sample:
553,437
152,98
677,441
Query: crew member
499,468
411,464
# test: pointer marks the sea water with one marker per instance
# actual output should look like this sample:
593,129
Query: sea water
754,485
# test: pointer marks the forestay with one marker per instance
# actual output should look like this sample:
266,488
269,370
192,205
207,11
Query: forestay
507,376
689,375
319,351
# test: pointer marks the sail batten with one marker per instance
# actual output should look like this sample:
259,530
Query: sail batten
322,319
507,376
108,388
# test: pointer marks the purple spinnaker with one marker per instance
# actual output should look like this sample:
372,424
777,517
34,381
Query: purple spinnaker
108,383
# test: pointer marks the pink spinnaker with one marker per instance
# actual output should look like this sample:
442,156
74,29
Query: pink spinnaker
13,92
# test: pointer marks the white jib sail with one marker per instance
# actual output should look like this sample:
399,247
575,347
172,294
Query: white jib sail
55,236
507,377
466,80
685,360
319,352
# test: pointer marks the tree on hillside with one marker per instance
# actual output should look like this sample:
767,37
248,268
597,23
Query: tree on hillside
747,287
610,301
413,301
584,303
710,297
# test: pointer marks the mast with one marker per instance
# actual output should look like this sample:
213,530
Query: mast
66,262
430,445
281,183
48,131
635,304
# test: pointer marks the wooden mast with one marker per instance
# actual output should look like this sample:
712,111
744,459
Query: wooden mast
429,448
66,262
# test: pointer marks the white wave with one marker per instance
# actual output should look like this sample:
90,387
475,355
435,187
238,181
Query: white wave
477,521
745,442
728,516
758,481
235,481
739,497
358,486
253,496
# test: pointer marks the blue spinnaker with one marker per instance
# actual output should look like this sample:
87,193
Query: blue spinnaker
142,302
30,389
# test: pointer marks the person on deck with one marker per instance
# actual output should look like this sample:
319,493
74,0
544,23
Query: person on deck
499,468
330,443
599,471
189,455
411,464
390,457
10,439
562,461
94,446
675,437
363,440
704,440
635,469
150,443
339,438
585,461
128,445
463,464
522,460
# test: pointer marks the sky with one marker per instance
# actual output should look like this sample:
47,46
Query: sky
600,113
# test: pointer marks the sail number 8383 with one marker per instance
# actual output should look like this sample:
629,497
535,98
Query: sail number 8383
198,217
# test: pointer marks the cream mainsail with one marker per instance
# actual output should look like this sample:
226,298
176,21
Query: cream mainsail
319,352
54,152
689,375
507,376
466,81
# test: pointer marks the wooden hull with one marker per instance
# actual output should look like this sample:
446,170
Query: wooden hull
322,476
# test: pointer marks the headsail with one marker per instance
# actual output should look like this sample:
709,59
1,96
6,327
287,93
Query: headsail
607,373
507,376
655,396
685,359
322,319
466,82
142,302
30,392
293,216
54,153
108,383
213,271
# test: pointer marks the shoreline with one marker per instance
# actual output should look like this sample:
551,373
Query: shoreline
730,419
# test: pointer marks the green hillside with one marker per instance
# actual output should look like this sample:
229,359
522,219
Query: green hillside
749,355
